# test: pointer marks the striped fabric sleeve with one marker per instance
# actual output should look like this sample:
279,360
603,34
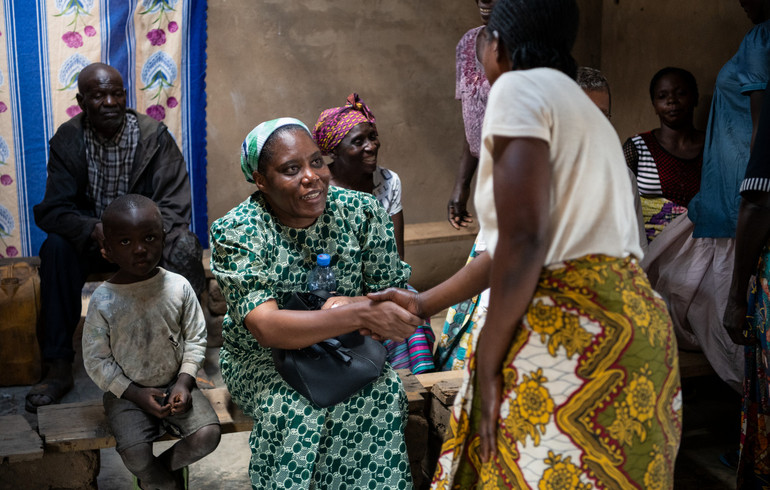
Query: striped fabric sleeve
755,184
647,172
757,177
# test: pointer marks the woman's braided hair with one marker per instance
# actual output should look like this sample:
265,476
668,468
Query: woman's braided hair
537,33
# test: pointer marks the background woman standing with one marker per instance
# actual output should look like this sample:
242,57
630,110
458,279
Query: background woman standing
472,89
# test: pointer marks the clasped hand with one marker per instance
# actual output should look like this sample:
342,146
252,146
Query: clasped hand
403,301
384,320
158,402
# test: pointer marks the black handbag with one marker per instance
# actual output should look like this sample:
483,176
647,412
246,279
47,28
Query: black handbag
333,370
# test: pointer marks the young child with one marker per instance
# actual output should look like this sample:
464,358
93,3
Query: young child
144,340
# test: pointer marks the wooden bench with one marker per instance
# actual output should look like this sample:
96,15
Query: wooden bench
437,232
82,426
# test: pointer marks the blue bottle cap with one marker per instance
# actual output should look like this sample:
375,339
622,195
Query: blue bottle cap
323,260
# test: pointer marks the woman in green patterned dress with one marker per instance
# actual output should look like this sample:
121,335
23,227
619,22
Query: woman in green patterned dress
262,251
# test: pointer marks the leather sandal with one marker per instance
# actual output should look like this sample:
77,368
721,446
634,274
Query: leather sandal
56,383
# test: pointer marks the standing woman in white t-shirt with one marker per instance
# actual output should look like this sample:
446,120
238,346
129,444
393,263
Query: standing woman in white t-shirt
574,377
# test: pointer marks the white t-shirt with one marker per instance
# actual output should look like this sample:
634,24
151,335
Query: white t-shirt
387,190
591,202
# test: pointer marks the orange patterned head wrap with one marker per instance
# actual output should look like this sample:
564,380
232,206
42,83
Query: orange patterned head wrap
333,124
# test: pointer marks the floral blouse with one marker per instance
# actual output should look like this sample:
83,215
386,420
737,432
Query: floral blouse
471,88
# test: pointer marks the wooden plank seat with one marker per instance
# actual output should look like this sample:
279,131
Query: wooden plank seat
82,426
18,441
437,232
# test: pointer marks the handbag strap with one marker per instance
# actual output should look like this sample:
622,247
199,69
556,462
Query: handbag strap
335,348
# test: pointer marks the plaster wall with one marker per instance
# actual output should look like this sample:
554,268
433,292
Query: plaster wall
641,36
270,58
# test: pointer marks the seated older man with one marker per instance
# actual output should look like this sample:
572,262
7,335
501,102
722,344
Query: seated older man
98,155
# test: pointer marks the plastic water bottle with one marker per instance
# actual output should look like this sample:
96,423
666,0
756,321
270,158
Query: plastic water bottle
322,275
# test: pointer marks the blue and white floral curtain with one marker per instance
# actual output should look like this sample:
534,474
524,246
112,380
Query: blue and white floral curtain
157,45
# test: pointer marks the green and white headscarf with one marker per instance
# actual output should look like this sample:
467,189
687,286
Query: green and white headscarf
255,140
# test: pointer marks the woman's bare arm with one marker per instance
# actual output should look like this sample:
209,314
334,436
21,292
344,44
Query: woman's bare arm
465,283
457,211
751,236
522,180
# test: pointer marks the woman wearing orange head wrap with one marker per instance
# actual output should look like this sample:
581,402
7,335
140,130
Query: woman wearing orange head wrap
349,135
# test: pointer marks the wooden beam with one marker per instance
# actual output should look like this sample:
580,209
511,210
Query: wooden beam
83,426
33,261
78,426
415,393
445,391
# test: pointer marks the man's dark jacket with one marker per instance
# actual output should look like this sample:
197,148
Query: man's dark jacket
159,173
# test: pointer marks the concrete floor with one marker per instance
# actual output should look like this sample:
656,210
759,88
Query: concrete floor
711,428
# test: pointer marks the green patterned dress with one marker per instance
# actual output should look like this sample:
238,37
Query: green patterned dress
358,443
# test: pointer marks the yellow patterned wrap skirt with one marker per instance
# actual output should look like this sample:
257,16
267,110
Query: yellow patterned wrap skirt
591,395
